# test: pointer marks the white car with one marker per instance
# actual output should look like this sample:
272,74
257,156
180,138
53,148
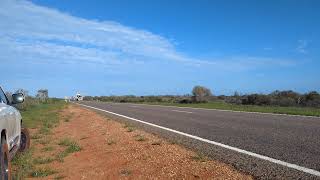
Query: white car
13,137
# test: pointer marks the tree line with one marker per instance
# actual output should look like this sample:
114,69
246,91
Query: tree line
277,98
201,94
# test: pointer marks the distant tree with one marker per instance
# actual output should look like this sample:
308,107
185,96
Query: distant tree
236,94
185,101
42,94
222,97
88,98
312,95
285,98
201,94
256,99
312,99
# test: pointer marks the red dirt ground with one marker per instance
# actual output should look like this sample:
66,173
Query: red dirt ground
111,151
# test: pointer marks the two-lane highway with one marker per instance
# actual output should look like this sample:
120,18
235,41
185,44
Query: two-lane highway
294,140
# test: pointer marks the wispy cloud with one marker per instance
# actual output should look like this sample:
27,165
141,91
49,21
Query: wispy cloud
35,34
267,48
302,46
27,28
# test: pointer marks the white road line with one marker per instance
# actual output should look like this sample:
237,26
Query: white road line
276,161
134,106
182,111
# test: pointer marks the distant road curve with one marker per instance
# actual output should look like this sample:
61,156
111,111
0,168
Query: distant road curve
290,141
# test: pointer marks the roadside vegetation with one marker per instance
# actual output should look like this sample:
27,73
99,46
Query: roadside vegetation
41,116
281,102
199,157
129,127
70,145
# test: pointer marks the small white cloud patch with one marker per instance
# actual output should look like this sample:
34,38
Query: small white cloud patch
302,45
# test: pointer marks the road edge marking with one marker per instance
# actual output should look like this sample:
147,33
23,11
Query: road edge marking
182,111
266,158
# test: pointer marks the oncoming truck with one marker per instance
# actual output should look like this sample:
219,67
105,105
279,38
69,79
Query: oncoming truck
78,97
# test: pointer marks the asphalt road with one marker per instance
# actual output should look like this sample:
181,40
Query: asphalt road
291,139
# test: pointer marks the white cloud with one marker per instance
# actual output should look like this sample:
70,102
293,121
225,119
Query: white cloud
36,34
302,45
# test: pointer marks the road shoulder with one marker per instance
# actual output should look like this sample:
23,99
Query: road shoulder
114,150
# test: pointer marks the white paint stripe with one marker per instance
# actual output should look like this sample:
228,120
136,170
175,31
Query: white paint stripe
182,111
224,110
276,161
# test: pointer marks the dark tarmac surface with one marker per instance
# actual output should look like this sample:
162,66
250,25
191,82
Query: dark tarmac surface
292,139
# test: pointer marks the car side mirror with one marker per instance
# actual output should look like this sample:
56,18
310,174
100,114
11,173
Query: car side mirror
17,98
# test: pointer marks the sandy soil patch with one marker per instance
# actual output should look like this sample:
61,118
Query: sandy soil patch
111,150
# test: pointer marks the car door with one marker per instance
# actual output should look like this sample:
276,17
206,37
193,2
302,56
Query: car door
4,117
9,117
15,117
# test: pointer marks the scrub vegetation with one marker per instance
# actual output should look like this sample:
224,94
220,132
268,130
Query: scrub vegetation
281,102
41,116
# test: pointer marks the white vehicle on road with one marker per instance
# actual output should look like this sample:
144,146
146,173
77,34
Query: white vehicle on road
79,97
13,137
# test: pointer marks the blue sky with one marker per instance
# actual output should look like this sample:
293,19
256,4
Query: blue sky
159,47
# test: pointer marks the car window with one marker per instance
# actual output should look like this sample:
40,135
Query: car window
3,97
